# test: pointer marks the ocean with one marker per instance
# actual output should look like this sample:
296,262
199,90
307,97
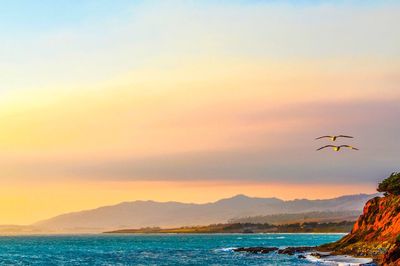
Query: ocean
178,249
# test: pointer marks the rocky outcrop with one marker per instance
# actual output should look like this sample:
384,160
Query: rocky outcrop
287,251
392,256
255,250
375,234
295,250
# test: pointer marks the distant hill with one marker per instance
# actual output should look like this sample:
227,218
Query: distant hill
139,214
286,218
246,228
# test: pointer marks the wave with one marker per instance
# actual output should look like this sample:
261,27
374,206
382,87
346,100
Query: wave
340,260
268,237
228,249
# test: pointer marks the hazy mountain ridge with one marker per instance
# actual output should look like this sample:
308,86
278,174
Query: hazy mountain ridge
138,214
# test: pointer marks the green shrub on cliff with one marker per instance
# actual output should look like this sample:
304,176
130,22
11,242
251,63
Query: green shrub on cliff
391,185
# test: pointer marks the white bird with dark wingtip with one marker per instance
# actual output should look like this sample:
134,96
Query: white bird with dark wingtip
333,138
337,148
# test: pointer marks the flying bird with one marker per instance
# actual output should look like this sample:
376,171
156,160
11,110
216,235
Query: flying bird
333,138
337,148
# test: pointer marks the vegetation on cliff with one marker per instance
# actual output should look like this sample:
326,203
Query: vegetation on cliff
391,185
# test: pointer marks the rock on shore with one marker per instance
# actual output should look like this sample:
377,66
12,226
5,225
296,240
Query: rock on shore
287,251
263,250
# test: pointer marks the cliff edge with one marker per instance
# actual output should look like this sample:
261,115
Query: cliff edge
376,233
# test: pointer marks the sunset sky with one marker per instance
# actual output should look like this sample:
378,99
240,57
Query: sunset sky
193,101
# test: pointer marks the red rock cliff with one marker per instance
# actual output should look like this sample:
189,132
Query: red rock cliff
375,234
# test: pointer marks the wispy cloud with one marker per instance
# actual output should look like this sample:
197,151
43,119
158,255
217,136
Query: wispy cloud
269,155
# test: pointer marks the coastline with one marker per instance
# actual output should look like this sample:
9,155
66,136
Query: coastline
157,234
250,228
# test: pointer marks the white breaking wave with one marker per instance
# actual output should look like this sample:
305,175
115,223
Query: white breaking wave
228,249
339,260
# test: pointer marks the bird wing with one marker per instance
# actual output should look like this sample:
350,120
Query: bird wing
324,137
327,146
348,146
344,136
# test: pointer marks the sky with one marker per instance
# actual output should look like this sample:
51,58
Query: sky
193,101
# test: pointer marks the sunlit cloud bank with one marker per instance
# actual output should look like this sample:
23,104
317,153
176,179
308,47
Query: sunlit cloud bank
267,145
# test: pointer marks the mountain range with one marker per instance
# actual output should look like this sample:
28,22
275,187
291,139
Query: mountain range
140,214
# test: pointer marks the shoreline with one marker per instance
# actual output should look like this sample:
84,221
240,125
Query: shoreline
342,260
309,253
248,234
114,234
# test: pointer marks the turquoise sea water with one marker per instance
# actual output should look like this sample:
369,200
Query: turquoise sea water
210,249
